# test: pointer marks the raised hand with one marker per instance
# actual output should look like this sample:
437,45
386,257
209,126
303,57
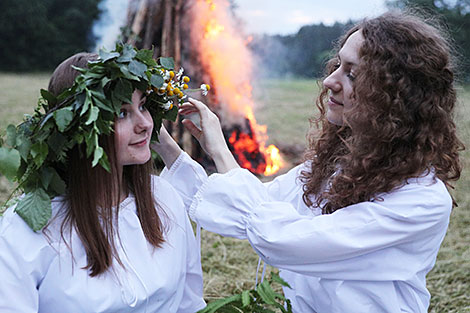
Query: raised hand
209,134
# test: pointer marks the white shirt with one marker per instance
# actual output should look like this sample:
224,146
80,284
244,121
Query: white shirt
368,257
38,276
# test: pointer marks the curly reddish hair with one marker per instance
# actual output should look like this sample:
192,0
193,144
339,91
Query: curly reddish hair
401,125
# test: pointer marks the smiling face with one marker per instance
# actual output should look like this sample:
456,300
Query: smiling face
340,82
133,129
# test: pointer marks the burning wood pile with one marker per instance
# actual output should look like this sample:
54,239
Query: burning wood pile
214,47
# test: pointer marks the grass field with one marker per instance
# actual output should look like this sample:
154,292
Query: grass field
229,265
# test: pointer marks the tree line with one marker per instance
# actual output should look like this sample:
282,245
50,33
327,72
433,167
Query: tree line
37,34
300,55
305,53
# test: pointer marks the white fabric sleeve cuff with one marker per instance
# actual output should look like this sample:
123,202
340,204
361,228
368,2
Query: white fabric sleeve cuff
225,202
186,176
170,171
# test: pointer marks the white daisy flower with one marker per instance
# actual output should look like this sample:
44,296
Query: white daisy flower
180,73
205,89
168,105
167,76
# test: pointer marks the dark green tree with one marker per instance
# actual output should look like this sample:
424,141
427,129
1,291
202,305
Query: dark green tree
302,54
38,34
313,46
455,14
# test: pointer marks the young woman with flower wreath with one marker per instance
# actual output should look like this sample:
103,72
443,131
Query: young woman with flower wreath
119,240
358,225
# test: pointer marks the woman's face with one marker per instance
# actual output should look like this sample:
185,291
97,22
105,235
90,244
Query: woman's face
133,130
340,82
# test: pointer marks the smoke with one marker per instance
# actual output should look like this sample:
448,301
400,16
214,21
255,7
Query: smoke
108,28
224,55
272,55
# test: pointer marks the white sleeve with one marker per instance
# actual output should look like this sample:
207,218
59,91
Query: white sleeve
192,300
342,245
24,258
186,176
285,187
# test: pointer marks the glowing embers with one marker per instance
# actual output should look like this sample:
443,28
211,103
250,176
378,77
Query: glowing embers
250,153
246,148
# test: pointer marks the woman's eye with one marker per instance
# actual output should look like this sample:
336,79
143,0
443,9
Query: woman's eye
143,107
351,76
122,114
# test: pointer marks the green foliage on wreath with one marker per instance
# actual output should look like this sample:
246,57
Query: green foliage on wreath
34,152
262,299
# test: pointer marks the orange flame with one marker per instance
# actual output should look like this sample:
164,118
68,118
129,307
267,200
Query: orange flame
226,58
246,147
213,29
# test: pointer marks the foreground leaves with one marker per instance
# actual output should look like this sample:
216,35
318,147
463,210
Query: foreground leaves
262,299
35,209
9,162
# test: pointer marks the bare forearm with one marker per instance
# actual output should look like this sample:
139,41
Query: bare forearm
224,161
168,153
167,148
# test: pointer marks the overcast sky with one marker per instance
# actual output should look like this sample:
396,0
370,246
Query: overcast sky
287,16
259,16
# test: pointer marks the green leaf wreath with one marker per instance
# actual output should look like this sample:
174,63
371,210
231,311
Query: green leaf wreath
31,152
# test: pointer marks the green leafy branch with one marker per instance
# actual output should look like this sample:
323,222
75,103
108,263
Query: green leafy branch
262,299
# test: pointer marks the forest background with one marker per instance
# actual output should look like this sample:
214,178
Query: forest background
36,35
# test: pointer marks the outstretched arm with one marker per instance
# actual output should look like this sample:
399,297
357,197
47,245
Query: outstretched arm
362,240
210,135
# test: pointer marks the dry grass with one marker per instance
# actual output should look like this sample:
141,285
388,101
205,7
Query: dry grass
229,265
449,281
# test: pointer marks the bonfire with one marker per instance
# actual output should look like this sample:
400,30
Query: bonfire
218,50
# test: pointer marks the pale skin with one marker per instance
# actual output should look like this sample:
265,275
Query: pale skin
133,130
340,82
166,148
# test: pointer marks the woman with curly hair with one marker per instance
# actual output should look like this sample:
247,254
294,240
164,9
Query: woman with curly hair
358,225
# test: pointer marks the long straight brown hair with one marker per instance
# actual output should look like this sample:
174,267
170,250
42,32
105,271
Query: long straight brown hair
93,194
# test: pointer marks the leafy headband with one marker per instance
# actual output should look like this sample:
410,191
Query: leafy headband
32,152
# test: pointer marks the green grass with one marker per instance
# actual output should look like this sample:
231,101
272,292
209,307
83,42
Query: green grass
229,265
18,95
285,106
